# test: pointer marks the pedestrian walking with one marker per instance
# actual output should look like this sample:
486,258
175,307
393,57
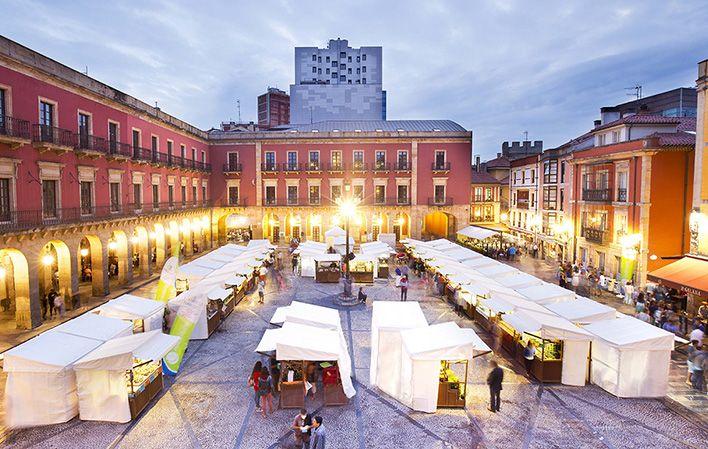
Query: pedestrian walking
261,291
529,354
253,382
628,292
494,380
699,366
404,288
265,390
59,305
294,262
693,349
301,426
318,438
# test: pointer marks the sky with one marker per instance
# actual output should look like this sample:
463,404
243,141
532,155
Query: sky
498,68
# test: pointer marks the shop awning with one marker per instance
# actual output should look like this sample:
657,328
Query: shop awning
476,232
689,274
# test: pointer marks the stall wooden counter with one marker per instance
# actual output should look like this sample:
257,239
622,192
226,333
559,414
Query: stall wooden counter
327,268
362,269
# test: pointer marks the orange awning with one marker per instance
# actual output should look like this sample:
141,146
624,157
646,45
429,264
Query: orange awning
689,274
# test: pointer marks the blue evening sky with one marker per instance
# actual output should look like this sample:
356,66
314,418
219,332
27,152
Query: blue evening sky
498,67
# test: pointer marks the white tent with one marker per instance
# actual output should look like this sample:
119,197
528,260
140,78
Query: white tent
192,273
497,271
91,325
476,232
582,310
260,243
388,319
441,244
505,303
198,293
423,350
129,307
518,280
335,231
295,341
218,293
41,385
630,358
480,262
461,254
208,262
305,313
307,259
576,341
375,247
546,293
100,374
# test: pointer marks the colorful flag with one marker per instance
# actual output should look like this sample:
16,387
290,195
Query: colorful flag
192,304
166,285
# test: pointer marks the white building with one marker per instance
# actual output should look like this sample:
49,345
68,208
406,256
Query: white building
337,83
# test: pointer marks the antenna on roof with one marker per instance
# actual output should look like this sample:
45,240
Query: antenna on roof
637,94
86,71
238,105
526,136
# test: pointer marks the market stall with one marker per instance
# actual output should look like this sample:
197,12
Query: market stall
223,300
582,310
630,358
305,313
41,385
97,327
518,280
498,271
561,347
188,275
239,286
388,319
546,293
428,378
145,314
339,244
117,380
327,267
362,268
208,321
306,260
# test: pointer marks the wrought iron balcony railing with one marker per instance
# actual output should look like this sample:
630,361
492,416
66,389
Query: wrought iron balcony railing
440,166
232,167
440,201
599,195
14,127
53,135
87,142
594,235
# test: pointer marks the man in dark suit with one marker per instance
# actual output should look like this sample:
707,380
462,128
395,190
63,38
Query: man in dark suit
494,380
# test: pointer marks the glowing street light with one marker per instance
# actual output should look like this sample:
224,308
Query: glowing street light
84,252
47,260
503,216
347,209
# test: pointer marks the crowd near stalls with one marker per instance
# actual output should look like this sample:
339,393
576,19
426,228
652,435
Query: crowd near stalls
309,350
423,367
106,365
554,332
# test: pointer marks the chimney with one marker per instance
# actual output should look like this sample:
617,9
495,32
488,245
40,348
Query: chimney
597,123
477,162
498,154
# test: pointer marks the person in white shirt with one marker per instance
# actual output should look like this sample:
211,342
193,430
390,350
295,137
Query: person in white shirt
697,335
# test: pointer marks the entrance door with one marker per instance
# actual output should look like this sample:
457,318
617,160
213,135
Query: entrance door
295,232
276,234
397,231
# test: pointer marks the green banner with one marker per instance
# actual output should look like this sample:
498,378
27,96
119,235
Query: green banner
182,328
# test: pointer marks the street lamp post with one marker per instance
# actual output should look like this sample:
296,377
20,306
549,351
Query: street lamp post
347,209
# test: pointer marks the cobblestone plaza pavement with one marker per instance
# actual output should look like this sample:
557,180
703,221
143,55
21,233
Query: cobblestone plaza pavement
209,404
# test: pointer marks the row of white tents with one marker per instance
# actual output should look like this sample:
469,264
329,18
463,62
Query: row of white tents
628,357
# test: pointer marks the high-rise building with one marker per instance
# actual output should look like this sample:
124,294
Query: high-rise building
337,83
273,108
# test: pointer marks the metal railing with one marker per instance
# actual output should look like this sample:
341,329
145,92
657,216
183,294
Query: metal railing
14,127
440,201
53,135
597,195
232,167
402,166
381,167
621,195
268,167
119,149
335,167
313,166
87,142
18,220
593,235
440,166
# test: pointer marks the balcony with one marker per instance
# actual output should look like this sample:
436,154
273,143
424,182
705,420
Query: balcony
359,167
142,154
232,202
20,220
118,150
335,168
14,132
482,219
440,201
402,166
291,167
159,158
269,168
381,167
594,235
313,167
622,195
50,138
597,195
88,145
440,167
232,168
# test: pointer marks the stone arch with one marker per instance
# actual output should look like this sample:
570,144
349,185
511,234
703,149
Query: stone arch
272,226
15,289
91,266
234,227
141,250
118,254
55,270
172,232
401,225
293,225
438,224
161,245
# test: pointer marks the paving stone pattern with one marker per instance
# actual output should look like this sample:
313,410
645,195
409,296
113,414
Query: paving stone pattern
209,404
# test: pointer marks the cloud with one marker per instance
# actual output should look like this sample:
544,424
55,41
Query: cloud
496,67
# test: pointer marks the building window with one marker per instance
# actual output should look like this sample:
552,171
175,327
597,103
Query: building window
488,195
326,71
402,160
233,161
314,69
380,160
342,54
183,191
204,195
379,194
49,198
4,199
194,194
615,136
86,194
314,195
292,160
3,110
478,194
319,59
358,160
203,156
84,130
115,196
155,197
292,195
342,77
270,195
439,194
314,58
349,59
533,176
46,114
402,194
550,198
439,160
319,71
171,195
363,69
233,195
138,196
183,151
334,64
270,160
363,57
336,192
358,192
136,143
336,157
154,147
326,58
314,163
550,172
562,172
194,154
342,66
363,81
113,137
600,139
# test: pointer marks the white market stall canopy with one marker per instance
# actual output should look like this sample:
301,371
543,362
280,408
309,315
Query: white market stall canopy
208,263
388,319
440,244
518,280
335,231
118,354
582,310
130,307
218,293
92,325
260,243
423,350
480,262
193,273
476,232
546,293
497,271
41,386
301,312
630,358
327,257
505,303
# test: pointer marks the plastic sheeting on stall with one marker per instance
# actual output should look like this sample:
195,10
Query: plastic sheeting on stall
546,293
630,358
388,319
130,307
423,350
92,325
582,310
